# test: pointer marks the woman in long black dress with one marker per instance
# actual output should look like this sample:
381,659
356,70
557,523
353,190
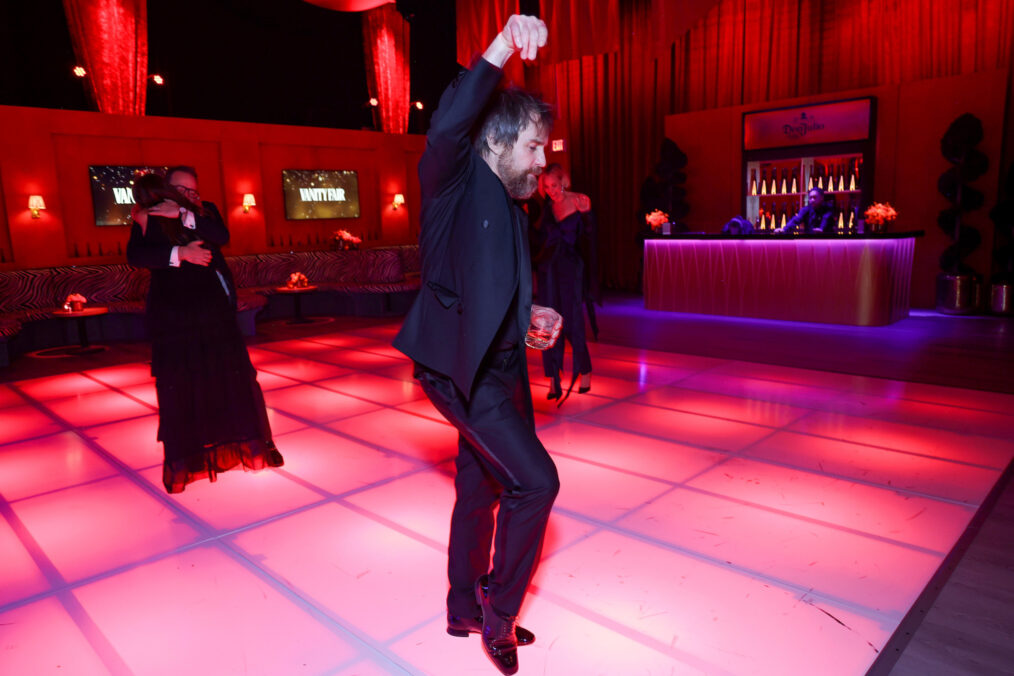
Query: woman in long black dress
565,273
211,409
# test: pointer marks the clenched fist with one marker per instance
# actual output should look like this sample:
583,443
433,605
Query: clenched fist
525,35
521,34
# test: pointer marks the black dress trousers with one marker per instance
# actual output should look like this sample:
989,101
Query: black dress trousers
500,460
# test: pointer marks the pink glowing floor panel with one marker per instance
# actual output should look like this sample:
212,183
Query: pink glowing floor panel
715,517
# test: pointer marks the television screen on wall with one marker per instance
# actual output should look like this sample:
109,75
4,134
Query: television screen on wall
112,192
320,193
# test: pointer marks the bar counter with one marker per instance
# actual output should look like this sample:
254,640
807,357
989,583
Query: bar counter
863,280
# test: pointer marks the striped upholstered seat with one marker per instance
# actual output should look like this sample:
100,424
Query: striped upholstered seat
32,295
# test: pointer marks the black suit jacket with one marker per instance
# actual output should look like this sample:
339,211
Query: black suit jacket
473,243
174,288
813,220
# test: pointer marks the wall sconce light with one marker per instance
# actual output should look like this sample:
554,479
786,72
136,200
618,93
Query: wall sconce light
157,79
399,200
79,71
374,101
36,203
248,201
418,105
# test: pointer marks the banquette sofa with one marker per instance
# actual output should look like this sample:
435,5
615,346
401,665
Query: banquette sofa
372,282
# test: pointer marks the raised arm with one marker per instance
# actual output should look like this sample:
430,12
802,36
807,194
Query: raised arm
448,141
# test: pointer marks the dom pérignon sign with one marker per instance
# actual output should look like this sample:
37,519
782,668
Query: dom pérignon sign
808,125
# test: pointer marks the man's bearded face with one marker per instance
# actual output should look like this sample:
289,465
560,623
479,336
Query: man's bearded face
519,167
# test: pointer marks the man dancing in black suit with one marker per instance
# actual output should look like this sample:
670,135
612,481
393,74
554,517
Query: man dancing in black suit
466,332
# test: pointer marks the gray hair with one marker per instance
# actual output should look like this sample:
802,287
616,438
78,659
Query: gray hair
508,112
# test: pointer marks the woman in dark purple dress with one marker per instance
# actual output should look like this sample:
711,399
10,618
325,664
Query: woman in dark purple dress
565,273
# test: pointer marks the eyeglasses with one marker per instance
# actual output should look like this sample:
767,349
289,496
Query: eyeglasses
189,192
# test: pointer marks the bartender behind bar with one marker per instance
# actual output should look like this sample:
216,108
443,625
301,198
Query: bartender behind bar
816,217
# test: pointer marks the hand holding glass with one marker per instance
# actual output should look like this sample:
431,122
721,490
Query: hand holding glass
544,328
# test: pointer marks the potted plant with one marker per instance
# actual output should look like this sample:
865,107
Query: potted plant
1001,295
957,283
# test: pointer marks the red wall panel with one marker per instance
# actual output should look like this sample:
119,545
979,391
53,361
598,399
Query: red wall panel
48,152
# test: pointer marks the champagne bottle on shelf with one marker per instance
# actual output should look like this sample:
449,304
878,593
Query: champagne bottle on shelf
763,223
820,176
841,182
785,184
841,223
783,220
852,183
794,188
753,181
764,182
851,228
809,183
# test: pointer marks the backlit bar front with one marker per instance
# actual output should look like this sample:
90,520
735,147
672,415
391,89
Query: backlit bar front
863,281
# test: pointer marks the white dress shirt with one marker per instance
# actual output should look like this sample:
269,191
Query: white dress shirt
190,222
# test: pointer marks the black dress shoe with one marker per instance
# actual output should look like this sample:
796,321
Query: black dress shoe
463,626
499,634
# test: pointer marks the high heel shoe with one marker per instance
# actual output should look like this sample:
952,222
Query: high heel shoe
585,384
554,389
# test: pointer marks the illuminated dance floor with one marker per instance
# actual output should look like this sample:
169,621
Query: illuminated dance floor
715,517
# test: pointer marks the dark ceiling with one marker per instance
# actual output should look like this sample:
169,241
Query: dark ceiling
277,61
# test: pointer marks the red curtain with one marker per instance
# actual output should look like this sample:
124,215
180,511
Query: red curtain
478,23
611,107
110,40
745,51
348,5
612,104
580,28
386,37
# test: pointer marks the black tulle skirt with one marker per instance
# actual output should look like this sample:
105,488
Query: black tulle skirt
212,416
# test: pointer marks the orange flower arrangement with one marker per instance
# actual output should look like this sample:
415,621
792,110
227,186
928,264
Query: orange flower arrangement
346,240
880,214
656,218
75,302
346,236
297,280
